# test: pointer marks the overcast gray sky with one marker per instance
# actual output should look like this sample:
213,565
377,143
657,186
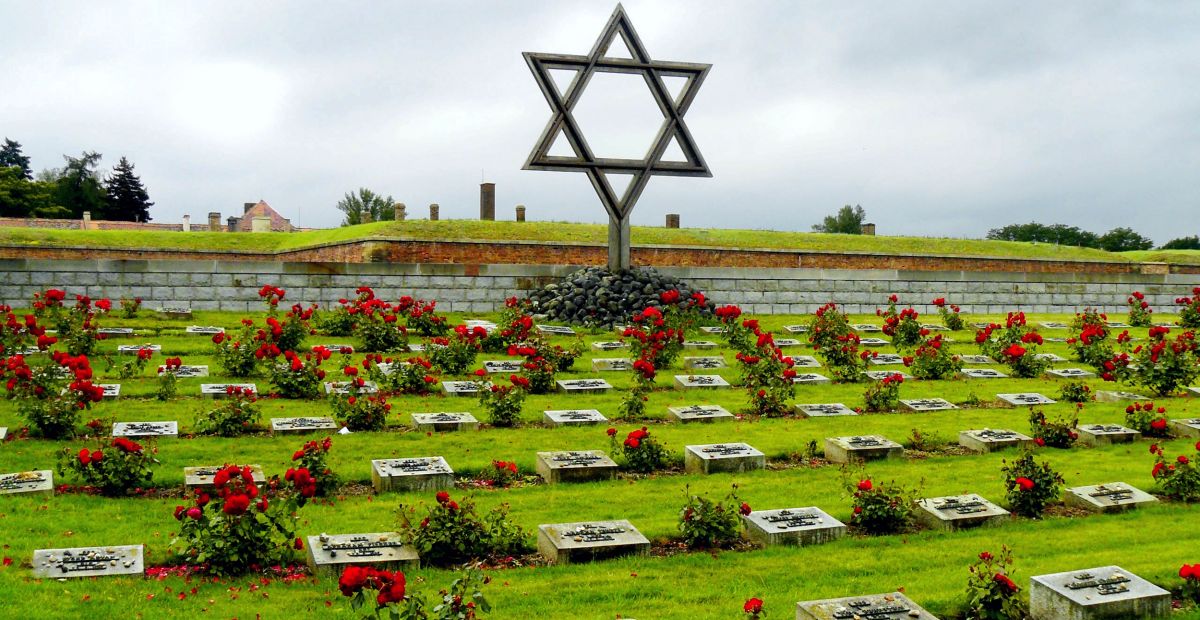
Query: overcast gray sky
939,118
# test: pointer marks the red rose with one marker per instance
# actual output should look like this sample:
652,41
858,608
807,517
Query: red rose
84,457
298,544
1183,460
353,579
1025,483
1005,583
753,606
97,456
612,432
236,504
1040,442
194,513
442,497
865,485
745,510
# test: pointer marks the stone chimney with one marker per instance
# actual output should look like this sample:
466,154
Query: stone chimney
401,211
187,223
433,212
487,201
246,206
520,213
672,220
86,223
232,223
214,221
868,229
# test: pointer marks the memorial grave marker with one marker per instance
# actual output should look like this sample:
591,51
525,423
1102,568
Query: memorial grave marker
928,404
992,439
1110,497
1103,592
445,422
1070,373
202,477
145,429
1187,427
204,330
722,457
329,552
703,363
1106,434
303,425
880,375
700,413
573,417
893,606
1026,399
575,466
89,562
39,481
700,382
958,512
429,473
982,373
502,366
222,390
792,526
465,388
699,344
824,410
1104,396
583,386
810,378
611,364
565,543
556,330
861,448
343,387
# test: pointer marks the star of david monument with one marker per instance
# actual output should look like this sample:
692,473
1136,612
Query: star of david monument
562,124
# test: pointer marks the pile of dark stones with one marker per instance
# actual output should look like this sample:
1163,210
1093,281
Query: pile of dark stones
595,296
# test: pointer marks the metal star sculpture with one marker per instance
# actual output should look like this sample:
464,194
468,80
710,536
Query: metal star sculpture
562,122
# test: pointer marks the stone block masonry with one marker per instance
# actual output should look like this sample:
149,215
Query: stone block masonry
234,284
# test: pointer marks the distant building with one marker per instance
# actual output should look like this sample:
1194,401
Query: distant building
259,209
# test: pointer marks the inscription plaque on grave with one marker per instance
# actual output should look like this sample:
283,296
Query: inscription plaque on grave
115,332
861,448
1187,427
787,343
465,388
873,342
111,390
573,417
792,526
880,375
575,466
186,372
1104,396
609,345
445,422
928,404
175,312
810,378
700,382
893,606
824,410
222,390
134,349
1070,373
502,366
556,330
983,373
958,512
866,328
202,477
88,562
39,481
712,329
886,359
145,429
700,413
564,543
611,364
1106,434
703,363
1110,497
991,439
329,552
429,473
1103,592
302,425
1050,357
805,361
699,344
204,330
977,359
1025,399
343,387
583,386
796,329
722,457
343,349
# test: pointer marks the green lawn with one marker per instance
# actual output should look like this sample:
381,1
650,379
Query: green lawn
929,566
1178,257
553,231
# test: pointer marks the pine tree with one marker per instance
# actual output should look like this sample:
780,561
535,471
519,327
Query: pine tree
77,186
11,155
127,199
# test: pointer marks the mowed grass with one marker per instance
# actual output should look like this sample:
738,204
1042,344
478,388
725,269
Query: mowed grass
929,566
556,232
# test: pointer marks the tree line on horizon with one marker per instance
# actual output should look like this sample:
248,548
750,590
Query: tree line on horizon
68,192
849,220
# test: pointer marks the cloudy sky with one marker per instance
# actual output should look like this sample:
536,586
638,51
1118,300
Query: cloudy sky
939,118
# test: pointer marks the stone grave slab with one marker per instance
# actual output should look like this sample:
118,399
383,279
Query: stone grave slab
1106,434
958,512
1070,373
1050,357
699,344
861,448
1117,324
977,359
502,366
445,422
886,359
343,387
388,368
221,390
1186,427
880,375
713,329
303,425
892,606
137,430
583,386
89,562
342,348
792,526
328,553
1026,399
115,332
1193,391
204,330
575,466
611,364
928,404
982,373
573,417
979,325
186,372
175,312
722,457
566,543
111,390
1054,339
873,342
824,410
700,382
703,363
487,326
1102,592
609,345
465,388
992,439
866,328
133,349
416,348
810,378
429,473
556,330
700,413
796,329
39,481
787,343
202,477
3,433
1116,396
1053,325
805,361
1110,497
934,327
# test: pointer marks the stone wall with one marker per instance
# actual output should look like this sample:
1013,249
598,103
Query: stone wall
233,285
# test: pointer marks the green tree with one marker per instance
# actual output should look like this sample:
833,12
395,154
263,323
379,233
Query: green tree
1059,234
1124,240
78,187
847,221
358,205
11,156
126,196
23,198
1182,243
